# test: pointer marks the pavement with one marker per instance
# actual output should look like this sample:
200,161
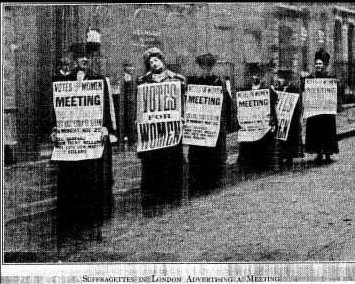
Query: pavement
300,214
303,214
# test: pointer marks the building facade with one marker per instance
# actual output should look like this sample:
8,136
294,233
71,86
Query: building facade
240,34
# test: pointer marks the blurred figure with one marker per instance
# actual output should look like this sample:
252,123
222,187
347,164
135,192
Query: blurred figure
65,68
64,73
129,92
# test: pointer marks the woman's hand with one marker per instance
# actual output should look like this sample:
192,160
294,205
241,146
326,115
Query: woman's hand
273,128
54,138
53,135
104,134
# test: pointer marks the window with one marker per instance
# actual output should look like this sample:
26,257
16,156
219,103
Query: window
286,47
252,46
147,30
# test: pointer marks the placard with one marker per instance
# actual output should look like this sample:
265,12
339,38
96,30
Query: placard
253,114
320,97
158,115
284,110
203,115
79,112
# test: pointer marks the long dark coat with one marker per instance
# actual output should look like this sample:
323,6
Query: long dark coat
321,134
293,146
85,187
162,169
206,163
260,155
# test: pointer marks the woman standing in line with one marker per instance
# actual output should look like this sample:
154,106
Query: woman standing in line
321,137
85,186
292,147
162,169
206,163
259,156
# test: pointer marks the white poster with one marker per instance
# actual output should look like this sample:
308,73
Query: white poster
284,110
79,113
158,115
253,114
320,97
202,115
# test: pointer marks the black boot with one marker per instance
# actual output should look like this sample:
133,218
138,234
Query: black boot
328,159
319,159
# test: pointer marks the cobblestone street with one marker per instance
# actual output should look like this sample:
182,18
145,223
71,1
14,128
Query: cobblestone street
296,215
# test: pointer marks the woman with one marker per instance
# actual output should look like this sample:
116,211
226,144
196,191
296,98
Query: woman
292,147
85,186
259,155
321,137
206,163
162,169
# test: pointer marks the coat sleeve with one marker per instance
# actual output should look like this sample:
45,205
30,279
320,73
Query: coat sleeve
227,107
273,104
53,118
340,95
183,93
107,122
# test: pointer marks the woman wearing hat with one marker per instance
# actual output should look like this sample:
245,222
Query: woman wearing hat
85,186
292,147
321,135
162,169
206,163
260,155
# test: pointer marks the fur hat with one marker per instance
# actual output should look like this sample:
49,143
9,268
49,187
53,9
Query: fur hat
322,55
154,51
206,60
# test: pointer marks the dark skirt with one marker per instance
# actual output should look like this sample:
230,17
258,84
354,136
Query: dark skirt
85,197
293,146
205,168
260,155
162,172
321,134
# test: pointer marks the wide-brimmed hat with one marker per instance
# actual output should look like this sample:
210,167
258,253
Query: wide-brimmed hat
79,49
284,73
255,69
322,55
206,60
